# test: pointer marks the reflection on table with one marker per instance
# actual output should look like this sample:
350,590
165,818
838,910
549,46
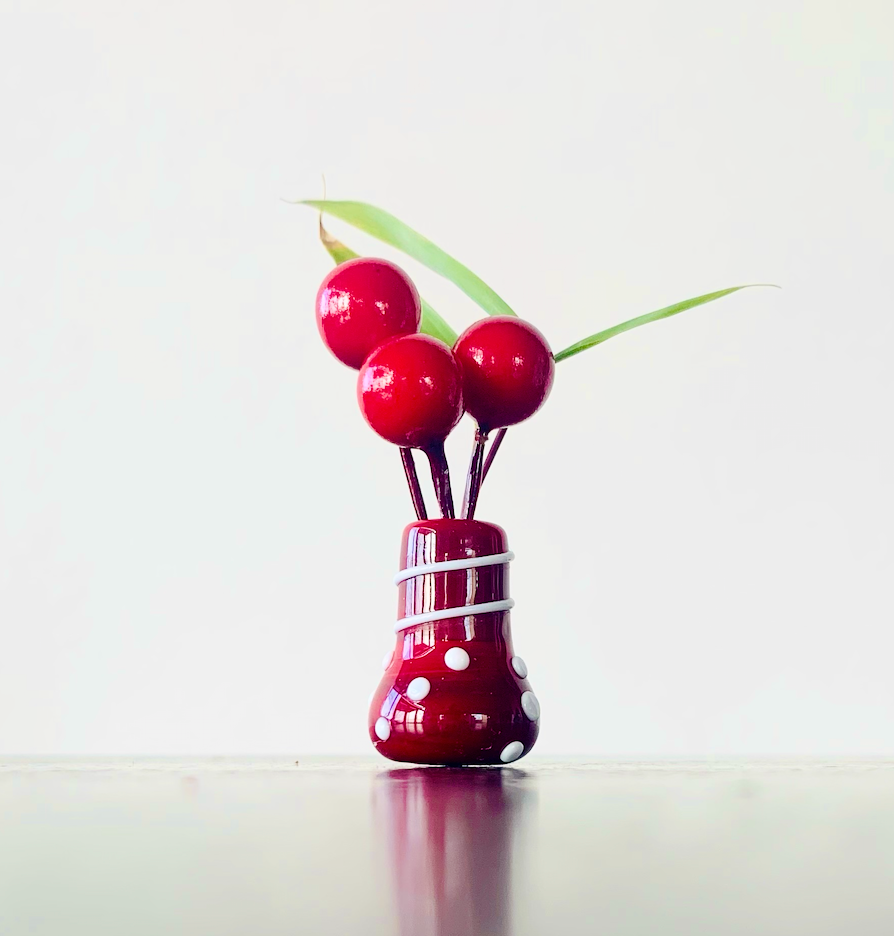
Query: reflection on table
451,835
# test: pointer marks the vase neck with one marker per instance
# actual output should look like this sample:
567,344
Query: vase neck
469,543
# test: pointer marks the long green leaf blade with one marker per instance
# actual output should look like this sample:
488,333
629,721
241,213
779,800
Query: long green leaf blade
432,323
666,312
384,226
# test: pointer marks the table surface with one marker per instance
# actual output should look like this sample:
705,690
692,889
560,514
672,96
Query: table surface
267,846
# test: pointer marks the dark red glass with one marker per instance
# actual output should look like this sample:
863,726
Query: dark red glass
454,692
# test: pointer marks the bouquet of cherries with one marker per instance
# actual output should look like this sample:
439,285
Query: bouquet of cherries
413,389
417,377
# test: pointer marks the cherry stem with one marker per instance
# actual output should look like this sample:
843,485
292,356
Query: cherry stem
474,477
406,456
492,454
440,476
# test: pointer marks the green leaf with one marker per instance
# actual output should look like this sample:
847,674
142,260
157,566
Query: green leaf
431,324
666,312
390,230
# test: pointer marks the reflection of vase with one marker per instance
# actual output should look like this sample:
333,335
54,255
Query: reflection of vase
450,839
453,691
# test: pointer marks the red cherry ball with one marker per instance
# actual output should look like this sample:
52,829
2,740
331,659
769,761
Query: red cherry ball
507,369
363,303
410,391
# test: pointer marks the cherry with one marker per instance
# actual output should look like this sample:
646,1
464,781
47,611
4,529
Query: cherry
363,303
410,391
507,369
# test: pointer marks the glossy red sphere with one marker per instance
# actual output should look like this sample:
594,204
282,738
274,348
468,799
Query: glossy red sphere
507,369
410,391
364,303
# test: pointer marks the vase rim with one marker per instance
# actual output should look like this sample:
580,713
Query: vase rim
450,523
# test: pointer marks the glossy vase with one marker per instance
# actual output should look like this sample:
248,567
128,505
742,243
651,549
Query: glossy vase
454,691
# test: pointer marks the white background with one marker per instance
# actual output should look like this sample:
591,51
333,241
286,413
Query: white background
198,531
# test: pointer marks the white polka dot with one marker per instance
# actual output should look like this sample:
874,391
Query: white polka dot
457,659
530,705
386,660
520,667
383,729
418,689
512,751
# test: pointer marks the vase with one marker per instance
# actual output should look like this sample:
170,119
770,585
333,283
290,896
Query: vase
454,692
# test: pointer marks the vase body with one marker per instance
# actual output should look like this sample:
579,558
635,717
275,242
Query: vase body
454,691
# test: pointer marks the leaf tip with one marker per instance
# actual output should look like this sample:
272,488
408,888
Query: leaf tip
328,241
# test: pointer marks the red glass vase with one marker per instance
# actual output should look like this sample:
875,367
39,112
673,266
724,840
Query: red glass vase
454,692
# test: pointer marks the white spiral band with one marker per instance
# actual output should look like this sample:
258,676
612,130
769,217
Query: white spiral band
486,607
453,565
